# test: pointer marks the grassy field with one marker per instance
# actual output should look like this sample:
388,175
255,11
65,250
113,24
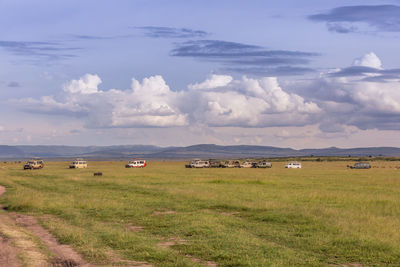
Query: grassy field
166,215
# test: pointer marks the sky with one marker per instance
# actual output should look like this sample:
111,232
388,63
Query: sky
287,73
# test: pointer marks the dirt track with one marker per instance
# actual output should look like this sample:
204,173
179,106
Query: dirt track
23,241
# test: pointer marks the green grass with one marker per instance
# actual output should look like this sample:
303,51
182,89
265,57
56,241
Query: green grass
321,215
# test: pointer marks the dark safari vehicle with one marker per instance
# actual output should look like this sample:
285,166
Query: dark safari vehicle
215,163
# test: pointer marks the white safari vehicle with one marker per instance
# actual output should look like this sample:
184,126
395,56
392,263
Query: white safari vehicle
201,164
78,164
34,164
264,164
246,164
293,165
137,163
192,163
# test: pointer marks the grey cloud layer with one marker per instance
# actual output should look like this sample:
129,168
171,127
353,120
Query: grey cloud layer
13,84
345,19
368,68
168,32
378,74
245,58
271,71
241,58
233,56
39,50
94,37
149,31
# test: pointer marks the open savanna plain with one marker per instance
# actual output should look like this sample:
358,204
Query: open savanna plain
165,215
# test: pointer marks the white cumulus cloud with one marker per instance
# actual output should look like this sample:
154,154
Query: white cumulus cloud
360,99
218,101
213,82
88,84
378,97
251,103
149,103
368,60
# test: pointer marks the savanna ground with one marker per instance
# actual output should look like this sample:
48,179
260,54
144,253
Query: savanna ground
166,215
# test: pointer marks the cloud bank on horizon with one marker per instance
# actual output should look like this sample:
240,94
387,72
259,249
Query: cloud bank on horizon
346,98
218,101
286,80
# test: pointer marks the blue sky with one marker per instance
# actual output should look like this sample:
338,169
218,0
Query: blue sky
282,73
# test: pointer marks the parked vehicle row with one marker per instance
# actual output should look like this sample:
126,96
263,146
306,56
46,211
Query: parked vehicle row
199,163
37,163
211,163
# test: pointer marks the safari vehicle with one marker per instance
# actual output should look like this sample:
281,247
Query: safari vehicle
246,164
191,163
232,164
361,165
78,164
216,163
264,164
201,164
293,165
137,163
34,164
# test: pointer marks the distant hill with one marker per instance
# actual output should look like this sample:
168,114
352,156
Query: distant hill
195,151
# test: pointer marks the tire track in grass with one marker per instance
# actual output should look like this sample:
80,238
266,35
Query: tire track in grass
65,255
24,238
8,253
23,245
